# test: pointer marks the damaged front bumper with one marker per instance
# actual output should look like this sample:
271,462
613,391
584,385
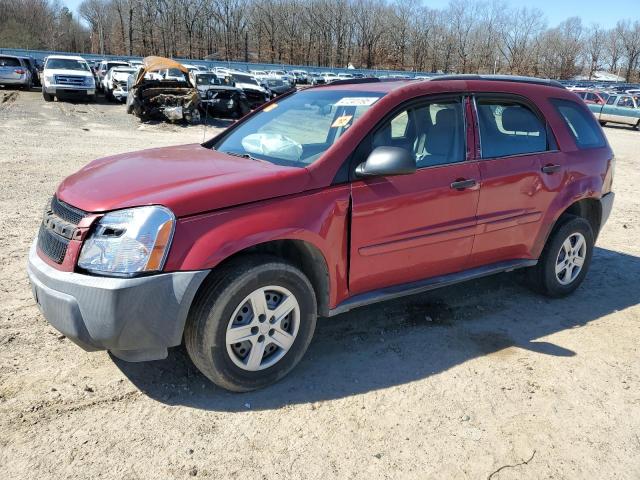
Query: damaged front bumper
137,319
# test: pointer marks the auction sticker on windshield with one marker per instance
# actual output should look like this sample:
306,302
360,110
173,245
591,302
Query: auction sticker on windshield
356,101
342,121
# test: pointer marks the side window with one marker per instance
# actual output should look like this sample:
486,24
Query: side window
611,100
581,123
625,102
509,128
432,132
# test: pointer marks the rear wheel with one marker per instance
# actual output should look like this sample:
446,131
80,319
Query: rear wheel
602,123
252,324
565,259
638,125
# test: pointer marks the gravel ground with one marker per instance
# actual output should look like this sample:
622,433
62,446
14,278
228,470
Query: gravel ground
483,380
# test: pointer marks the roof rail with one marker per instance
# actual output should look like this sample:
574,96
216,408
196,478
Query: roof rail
499,78
348,81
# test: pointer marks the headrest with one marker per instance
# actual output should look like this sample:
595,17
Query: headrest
519,119
445,117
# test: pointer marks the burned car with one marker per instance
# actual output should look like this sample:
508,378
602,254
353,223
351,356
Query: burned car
172,98
217,98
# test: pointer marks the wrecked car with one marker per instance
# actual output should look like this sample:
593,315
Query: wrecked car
172,98
115,83
218,99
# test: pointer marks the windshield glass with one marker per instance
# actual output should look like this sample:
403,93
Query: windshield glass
299,129
209,79
67,64
244,79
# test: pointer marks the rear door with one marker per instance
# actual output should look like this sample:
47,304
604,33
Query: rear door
410,227
520,168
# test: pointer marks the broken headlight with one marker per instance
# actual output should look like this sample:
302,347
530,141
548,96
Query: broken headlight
126,242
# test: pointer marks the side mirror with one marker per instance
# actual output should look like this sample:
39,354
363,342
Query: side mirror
386,161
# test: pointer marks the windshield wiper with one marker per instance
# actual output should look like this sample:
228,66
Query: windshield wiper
242,155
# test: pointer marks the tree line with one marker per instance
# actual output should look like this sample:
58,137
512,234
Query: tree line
465,37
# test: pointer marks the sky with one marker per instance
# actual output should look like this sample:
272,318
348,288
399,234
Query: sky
591,11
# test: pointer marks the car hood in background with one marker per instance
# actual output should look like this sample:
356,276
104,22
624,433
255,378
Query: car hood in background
188,179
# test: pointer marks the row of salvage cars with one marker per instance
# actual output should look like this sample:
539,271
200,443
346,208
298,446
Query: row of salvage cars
164,88
160,88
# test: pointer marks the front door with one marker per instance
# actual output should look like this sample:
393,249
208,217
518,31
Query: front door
410,227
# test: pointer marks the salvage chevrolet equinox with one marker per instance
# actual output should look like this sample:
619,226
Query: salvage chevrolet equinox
319,202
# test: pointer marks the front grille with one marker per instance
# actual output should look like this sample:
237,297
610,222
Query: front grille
58,228
66,212
52,245
71,80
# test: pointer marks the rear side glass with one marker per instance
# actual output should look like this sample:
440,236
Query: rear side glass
9,62
509,128
581,123
611,100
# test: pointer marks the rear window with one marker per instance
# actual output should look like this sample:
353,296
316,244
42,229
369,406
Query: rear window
581,123
9,62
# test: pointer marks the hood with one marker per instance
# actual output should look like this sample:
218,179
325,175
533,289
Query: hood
188,179
121,76
250,86
153,64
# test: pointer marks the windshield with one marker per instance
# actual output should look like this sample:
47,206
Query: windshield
209,79
299,129
67,64
244,79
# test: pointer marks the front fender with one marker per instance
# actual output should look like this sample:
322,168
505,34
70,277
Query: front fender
319,218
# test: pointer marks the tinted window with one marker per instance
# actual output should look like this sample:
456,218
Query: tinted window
9,62
509,128
581,123
432,132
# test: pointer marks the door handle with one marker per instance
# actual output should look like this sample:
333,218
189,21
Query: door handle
551,168
462,184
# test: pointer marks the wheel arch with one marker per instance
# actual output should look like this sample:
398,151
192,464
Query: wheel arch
301,254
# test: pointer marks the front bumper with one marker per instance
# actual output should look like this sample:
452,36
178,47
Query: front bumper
137,319
69,91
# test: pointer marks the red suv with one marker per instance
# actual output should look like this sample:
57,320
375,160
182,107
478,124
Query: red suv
319,202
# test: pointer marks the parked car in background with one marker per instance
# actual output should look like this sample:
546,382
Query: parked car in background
590,96
619,108
67,76
344,76
15,72
167,97
103,67
218,98
115,83
328,200
301,76
329,77
277,86
255,93
316,79
30,63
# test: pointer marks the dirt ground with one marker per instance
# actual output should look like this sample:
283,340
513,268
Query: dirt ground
482,380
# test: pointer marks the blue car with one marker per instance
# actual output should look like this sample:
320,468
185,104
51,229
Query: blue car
621,108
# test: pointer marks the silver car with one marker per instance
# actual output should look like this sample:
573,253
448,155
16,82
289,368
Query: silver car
15,71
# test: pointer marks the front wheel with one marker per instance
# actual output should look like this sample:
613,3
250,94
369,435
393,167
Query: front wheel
565,259
47,97
251,324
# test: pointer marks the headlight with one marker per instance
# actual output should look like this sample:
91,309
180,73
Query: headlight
129,241
48,79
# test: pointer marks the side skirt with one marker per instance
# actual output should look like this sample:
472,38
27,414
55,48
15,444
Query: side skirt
432,283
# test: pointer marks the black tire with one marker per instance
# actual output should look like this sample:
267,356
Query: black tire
47,97
638,125
602,124
542,277
91,98
214,306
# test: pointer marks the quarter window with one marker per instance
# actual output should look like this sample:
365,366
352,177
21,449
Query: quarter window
625,102
611,100
581,123
509,128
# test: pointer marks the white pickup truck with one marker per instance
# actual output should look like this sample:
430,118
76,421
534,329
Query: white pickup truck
67,76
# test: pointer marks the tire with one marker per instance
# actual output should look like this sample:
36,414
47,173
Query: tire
91,98
543,277
47,97
638,125
602,124
226,301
